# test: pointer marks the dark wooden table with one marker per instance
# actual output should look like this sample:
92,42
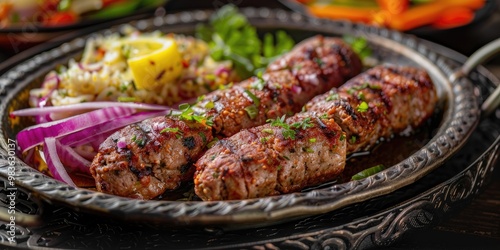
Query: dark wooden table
477,225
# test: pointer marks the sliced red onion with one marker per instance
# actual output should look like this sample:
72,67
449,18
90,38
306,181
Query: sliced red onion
54,162
296,89
89,155
121,143
85,106
34,135
222,69
72,159
44,101
90,67
91,133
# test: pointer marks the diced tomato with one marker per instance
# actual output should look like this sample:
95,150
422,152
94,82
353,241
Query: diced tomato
61,18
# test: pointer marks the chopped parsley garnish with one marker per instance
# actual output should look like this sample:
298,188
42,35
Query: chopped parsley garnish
203,137
268,131
353,139
363,107
260,83
308,150
367,172
209,105
376,87
169,130
361,96
333,97
264,139
212,142
200,98
324,116
176,131
187,114
252,111
304,124
318,61
254,98
287,132
312,140
342,137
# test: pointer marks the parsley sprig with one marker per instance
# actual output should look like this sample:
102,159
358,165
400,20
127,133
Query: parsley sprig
289,131
175,131
304,124
187,114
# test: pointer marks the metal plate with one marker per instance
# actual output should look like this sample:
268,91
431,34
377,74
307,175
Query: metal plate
384,220
460,116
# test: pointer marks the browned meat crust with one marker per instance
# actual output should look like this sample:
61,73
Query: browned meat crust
259,162
162,160
263,161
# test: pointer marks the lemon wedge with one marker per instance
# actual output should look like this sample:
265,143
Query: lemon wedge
153,61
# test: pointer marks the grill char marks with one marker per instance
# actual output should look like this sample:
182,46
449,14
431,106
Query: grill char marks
381,102
162,162
260,161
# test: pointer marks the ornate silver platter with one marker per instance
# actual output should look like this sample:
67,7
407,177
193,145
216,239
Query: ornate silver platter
383,220
459,118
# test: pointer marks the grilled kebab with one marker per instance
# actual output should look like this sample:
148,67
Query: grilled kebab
310,147
144,160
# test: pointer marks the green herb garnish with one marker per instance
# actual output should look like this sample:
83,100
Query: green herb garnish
353,139
176,131
367,172
209,105
359,45
230,36
308,150
268,131
187,113
342,137
212,142
304,124
287,132
363,107
252,111
332,97
260,83
254,98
